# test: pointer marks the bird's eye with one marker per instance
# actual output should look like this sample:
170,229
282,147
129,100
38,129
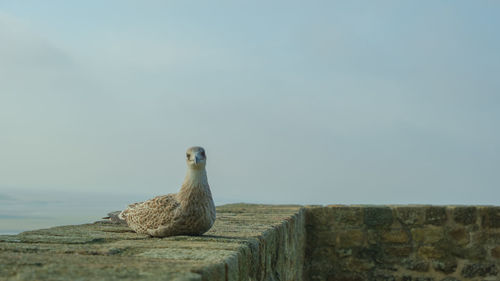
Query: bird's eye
203,153
187,155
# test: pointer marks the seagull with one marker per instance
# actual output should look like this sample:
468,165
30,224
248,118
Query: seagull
191,211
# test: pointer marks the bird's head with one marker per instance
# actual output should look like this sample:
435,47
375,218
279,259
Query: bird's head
196,157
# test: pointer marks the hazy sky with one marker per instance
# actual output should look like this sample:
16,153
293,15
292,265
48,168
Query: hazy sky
294,101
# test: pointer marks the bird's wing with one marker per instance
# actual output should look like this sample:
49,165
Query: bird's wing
123,214
151,213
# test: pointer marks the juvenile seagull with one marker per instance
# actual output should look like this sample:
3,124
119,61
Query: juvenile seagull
189,212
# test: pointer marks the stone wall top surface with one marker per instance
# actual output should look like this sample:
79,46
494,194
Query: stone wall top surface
105,251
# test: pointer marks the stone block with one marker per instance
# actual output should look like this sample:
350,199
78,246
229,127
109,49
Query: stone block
371,252
343,252
319,217
352,237
395,236
446,265
491,237
430,252
490,217
326,253
473,252
427,234
383,275
479,270
321,238
495,252
465,214
372,236
460,236
359,265
410,215
377,216
348,216
416,265
435,215
398,251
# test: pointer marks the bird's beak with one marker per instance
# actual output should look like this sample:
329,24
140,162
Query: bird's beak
196,159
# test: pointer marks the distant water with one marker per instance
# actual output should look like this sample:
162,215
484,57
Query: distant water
28,210
22,210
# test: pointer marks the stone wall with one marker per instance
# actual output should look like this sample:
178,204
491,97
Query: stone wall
247,242
265,242
403,243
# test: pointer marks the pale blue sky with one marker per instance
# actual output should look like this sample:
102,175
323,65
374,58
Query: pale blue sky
309,102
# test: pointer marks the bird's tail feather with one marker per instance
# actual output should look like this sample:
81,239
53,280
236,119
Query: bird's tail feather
114,217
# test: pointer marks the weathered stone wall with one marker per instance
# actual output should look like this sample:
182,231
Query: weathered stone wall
403,243
247,242
262,242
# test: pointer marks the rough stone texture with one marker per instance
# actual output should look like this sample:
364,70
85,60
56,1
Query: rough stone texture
259,242
437,243
490,217
247,242
465,215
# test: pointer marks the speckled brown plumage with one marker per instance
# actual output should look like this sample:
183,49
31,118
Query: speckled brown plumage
189,212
